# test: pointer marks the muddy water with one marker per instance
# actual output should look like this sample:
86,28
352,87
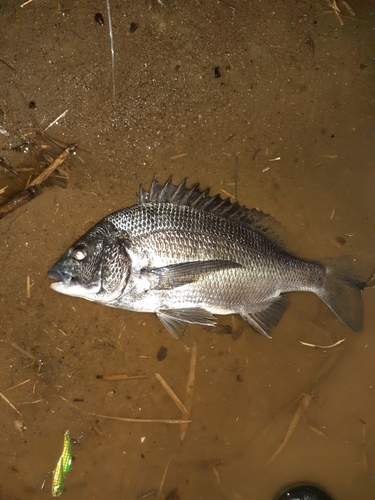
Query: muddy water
286,124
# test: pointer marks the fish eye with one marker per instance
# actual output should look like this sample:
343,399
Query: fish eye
79,253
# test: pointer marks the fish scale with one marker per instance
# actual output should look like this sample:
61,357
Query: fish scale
187,256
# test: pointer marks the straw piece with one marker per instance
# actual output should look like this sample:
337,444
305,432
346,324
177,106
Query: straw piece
323,346
56,163
23,351
178,156
189,388
304,403
9,403
17,385
141,420
163,478
180,405
120,376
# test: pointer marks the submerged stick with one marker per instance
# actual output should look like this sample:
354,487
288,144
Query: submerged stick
51,168
180,405
142,420
163,478
112,52
236,176
323,346
189,389
120,376
17,385
9,403
34,188
304,403
19,199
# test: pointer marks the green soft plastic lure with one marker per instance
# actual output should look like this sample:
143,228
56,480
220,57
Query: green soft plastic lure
62,467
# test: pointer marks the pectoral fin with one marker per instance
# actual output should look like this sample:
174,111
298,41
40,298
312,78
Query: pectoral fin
176,275
175,320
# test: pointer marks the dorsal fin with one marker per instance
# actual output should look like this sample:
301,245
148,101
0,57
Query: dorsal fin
201,200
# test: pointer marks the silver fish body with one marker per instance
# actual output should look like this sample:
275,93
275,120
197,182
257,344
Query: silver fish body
186,256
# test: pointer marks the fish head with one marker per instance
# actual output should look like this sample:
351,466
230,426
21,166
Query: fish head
96,267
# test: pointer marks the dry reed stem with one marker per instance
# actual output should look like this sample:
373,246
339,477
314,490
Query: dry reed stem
163,478
178,156
56,163
304,403
17,385
120,376
349,9
56,120
72,405
141,420
180,405
23,351
189,388
146,495
323,346
10,404
320,375
28,286
336,10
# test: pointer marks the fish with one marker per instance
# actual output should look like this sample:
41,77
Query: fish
188,256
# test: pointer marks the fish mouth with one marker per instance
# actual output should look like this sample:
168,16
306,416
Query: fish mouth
60,277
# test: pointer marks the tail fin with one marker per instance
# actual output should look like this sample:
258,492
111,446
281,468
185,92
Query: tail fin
342,294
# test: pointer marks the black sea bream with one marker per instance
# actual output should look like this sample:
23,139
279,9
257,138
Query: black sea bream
187,256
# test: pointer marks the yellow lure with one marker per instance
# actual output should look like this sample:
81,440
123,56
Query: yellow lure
62,467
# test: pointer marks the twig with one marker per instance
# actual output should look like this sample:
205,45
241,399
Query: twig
17,385
336,10
323,346
28,286
164,476
56,163
236,176
120,376
6,64
23,351
349,9
189,389
304,403
72,405
146,495
227,5
18,200
57,119
317,431
112,52
9,403
142,420
228,194
33,189
325,369
180,405
365,461
178,156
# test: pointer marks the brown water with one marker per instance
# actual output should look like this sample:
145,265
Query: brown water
296,87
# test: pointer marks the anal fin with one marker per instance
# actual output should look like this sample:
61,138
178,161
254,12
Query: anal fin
268,317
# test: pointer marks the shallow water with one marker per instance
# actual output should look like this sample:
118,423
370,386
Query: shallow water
288,128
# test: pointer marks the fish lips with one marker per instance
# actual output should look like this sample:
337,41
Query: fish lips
59,276
68,284
63,282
